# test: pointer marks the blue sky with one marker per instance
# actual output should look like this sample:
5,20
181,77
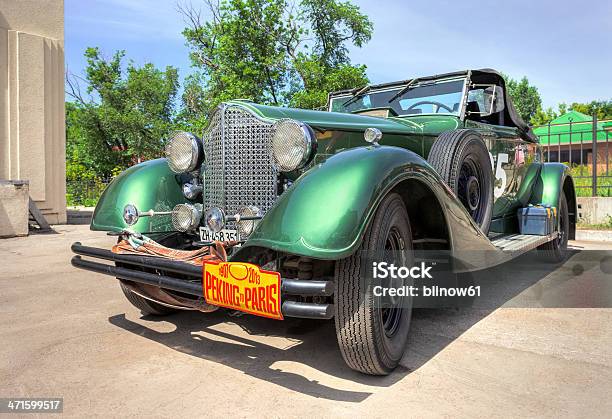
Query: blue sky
563,49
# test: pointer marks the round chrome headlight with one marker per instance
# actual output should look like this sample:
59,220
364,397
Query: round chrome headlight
246,227
293,144
186,217
130,214
184,152
215,219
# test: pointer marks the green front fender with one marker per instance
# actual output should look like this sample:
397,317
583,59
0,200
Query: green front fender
326,211
149,185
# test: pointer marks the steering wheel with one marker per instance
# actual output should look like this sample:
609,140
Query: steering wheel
430,102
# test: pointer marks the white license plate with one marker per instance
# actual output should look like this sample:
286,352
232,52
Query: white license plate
206,235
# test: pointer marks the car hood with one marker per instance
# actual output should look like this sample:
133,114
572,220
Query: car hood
333,120
432,125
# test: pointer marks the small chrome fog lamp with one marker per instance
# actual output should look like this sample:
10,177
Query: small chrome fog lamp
130,214
247,218
186,217
215,219
191,190
372,135
184,152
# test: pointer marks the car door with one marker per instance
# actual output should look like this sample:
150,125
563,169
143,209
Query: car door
514,163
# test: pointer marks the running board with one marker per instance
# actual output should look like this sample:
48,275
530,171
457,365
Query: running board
508,247
521,243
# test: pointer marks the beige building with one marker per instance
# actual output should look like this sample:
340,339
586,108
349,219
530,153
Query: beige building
32,133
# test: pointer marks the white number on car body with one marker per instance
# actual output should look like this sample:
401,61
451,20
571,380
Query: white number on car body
501,180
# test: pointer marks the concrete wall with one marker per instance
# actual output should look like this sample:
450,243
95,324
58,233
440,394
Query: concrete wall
32,133
13,208
594,210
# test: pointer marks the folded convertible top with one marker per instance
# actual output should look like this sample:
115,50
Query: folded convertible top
481,76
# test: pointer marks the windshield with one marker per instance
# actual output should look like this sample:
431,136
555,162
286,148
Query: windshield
423,98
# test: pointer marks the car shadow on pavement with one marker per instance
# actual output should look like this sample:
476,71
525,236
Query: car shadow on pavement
311,344
311,349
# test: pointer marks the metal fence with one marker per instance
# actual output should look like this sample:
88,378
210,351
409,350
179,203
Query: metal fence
585,147
85,192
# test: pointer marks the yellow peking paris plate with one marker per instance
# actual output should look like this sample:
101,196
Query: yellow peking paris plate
242,286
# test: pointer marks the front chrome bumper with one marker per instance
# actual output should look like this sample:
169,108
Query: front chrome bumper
186,278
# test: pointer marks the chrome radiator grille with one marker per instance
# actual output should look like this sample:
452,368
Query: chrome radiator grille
238,169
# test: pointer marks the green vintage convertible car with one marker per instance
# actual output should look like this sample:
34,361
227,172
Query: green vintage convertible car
296,200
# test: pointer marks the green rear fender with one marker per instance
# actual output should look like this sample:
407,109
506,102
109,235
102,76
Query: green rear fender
326,211
149,185
554,179
550,184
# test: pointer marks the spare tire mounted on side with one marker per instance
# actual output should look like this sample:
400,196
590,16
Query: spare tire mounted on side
461,158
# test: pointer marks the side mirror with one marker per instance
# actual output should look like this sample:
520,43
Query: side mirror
489,97
494,99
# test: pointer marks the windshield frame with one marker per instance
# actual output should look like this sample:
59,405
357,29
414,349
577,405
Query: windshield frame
397,87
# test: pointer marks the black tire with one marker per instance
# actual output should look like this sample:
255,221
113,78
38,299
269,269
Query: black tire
144,305
461,158
372,339
556,251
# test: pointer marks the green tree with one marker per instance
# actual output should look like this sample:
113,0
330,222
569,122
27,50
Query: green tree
525,97
78,167
321,79
275,51
193,112
127,114
543,116
603,108
333,24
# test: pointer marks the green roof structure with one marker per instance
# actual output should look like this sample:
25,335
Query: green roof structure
572,125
